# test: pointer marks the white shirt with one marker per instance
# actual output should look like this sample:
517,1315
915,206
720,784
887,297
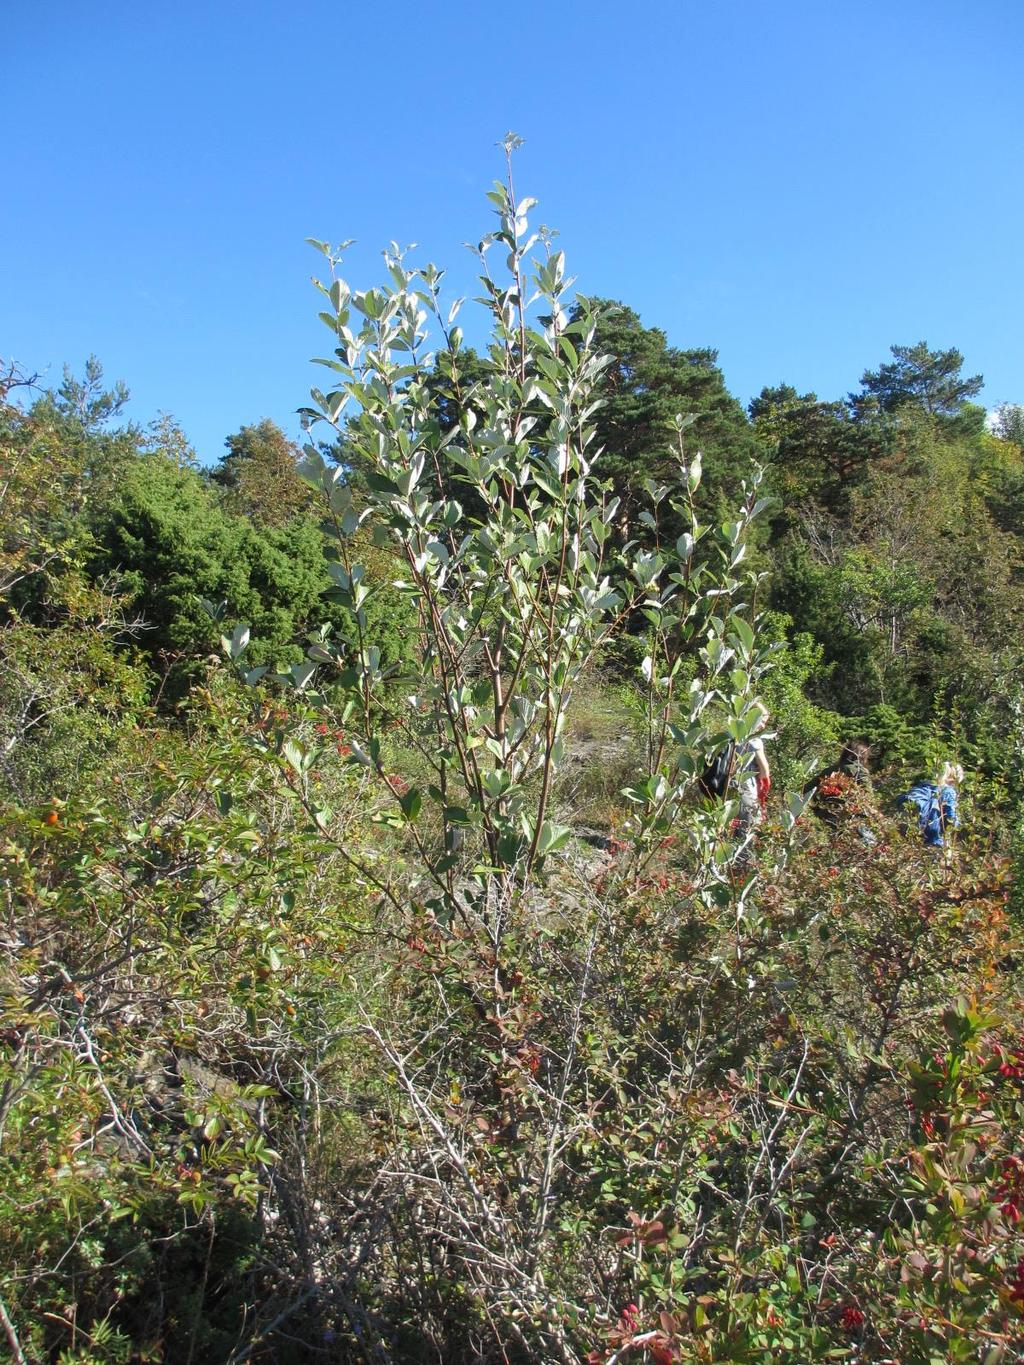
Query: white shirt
747,770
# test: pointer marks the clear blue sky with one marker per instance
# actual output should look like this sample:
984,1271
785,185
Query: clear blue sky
797,184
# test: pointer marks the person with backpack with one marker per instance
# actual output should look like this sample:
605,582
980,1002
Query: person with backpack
837,788
842,792
854,764
720,769
936,805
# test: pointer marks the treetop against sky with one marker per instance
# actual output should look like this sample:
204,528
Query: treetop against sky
800,187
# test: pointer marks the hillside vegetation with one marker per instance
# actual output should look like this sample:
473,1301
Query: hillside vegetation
378,984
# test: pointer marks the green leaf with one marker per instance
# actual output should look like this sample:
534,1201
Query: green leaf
552,837
236,645
745,633
379,484
294,755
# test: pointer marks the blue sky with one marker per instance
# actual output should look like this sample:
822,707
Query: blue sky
800,185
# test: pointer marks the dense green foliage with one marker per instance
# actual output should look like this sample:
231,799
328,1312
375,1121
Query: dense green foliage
388,990
898,552
646,384
259,470
174,545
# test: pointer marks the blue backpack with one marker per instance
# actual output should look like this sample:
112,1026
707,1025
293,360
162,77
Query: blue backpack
936,808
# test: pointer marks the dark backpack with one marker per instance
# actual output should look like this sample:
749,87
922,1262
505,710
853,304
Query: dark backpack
714,780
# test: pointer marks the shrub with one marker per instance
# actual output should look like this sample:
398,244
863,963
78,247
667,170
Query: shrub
157,1016
492,995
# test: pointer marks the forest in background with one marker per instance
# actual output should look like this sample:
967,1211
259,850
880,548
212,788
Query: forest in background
267,1094
892,554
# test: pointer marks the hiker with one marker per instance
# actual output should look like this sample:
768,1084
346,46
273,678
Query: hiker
936,804
854,759
754,780
839,790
